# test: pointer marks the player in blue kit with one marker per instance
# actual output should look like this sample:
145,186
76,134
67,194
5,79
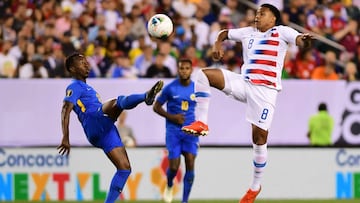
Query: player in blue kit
97,119
180,102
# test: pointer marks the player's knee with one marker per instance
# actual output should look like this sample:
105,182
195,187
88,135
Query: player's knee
259,136
125,166
216,78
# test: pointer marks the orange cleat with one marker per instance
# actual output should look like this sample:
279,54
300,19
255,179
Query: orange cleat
196,128
250,196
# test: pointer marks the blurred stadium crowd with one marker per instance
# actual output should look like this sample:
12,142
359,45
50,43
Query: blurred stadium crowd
36,36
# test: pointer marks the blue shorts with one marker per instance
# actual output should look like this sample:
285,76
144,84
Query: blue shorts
178,142
101,131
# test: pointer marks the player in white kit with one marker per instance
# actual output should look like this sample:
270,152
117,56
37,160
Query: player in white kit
264,48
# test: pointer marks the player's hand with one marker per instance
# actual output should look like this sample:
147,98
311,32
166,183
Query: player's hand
307,39
217,51
64,148
307,36
178,118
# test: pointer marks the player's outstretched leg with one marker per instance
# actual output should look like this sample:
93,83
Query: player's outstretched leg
151,94
202,93
131,101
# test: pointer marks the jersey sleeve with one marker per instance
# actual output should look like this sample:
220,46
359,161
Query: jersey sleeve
73,93
289,34
238,34
164,95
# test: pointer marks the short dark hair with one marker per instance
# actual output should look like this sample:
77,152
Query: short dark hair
71,59
322,107
185,60
275,11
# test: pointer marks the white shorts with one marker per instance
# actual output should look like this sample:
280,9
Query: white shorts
260,100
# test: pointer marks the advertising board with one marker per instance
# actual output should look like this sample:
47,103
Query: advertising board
221,173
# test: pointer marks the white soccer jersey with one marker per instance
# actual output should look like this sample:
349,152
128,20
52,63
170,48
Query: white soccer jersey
264,53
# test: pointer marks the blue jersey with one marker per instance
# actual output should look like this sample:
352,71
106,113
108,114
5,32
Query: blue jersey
84,98
180,99
98,127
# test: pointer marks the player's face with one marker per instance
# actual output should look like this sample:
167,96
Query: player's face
82,67
264,19
184,70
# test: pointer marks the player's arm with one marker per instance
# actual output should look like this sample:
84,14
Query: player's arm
176,118
304,40
217,51
64,147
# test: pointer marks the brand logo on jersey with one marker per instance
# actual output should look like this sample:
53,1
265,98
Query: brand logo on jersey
69,93
192,97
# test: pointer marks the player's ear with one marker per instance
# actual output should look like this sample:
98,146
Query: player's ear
273,19
71,69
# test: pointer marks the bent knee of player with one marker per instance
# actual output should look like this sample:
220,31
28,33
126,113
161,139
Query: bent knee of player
215,77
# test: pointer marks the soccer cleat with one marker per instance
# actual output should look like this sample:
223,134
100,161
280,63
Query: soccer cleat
168,194
196,128
151,94
250,196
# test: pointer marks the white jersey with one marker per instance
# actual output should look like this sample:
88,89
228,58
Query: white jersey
264,53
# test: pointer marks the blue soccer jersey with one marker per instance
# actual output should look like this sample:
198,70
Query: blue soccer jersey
98,127
179,99
84,98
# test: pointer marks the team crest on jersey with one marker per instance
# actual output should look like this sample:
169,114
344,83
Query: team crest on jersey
69,93
274,32
192,97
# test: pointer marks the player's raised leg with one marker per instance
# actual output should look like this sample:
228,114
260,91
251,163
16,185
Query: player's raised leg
114,107
205,79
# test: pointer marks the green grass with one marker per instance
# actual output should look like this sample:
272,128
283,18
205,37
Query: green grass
215,201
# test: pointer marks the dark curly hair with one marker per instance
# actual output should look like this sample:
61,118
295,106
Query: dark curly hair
275,11
70,60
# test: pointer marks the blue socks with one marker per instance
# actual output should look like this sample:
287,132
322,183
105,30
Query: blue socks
170,174
117,184
188,182
131,101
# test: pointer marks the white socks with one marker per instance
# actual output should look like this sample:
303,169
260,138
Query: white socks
202,91
260,156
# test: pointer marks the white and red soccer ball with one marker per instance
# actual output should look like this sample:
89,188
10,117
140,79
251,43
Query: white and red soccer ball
160,26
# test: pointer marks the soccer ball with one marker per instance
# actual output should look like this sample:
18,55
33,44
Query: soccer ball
160,26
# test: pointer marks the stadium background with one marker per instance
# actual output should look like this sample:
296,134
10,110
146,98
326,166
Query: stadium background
29,133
